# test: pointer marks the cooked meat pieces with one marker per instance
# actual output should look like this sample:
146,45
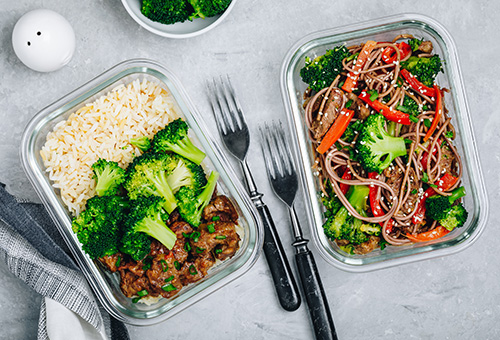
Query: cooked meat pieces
179,249
362,112
220,207
368,246
130,283
164,278
448,162
112,262
394,178
325,119
197,269
219,237
426,47
163,272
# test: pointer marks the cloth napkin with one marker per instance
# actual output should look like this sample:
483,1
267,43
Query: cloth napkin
34,251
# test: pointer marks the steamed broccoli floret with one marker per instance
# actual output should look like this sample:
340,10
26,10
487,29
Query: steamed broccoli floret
208,8
108,177
424,69
166,11
377,148
320,72
146,218
174,137
411,107
143,143
344,226
147,176
455,217
98,227
191,205
441,209
415,43
186,173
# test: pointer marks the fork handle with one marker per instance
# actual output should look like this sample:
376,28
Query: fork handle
316,299
284,282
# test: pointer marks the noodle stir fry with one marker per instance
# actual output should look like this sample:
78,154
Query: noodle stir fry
383,141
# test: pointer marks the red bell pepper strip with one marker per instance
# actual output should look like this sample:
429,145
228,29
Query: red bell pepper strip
417,85
336,130
375,203
388,112
425,156
437,115
346,176
433,234
389,55
352,77
443,184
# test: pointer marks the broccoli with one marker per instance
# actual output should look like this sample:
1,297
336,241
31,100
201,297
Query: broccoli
352,131
415,43
191,205
166,11
108,176
174,137
455,217
437,205
344,226
424,69
147,176
208,8
186,173
320,72
146,217
411,107
377,148
330,201
98,227
441,209
143,143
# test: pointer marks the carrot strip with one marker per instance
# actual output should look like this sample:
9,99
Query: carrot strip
336,130
437,115
352,77
428,235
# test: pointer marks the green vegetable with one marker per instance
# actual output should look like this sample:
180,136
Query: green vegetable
147,176
146,219
208,8
98,226
108,177
344,226
415,43
143,143
424,69
436,206
166,11
186,173
455,217
191,204
174,137
377,148
320,72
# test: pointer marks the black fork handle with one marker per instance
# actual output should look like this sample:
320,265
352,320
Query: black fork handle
316,299
284,282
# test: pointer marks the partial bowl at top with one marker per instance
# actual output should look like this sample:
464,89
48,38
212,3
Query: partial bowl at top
292,86
186,29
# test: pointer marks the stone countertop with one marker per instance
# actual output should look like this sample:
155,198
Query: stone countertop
452,297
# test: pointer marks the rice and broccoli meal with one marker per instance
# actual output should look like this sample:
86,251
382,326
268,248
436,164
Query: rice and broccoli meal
142,203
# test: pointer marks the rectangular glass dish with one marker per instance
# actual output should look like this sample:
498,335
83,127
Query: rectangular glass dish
105,284
292,87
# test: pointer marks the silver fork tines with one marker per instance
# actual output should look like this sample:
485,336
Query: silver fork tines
229,117
279,164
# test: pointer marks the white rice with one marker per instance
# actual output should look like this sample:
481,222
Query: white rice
103,129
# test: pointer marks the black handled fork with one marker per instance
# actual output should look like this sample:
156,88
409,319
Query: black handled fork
235,135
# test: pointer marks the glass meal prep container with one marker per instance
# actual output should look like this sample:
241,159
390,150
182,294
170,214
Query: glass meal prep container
292,87
105,284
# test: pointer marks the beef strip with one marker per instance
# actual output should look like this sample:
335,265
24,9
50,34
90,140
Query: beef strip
394,178
448,161
220,207
130,283
426,47
193,271
360,109
223,239
325,119
164,278
180,229
112,261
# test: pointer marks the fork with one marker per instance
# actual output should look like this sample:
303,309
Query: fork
236,137
285,184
